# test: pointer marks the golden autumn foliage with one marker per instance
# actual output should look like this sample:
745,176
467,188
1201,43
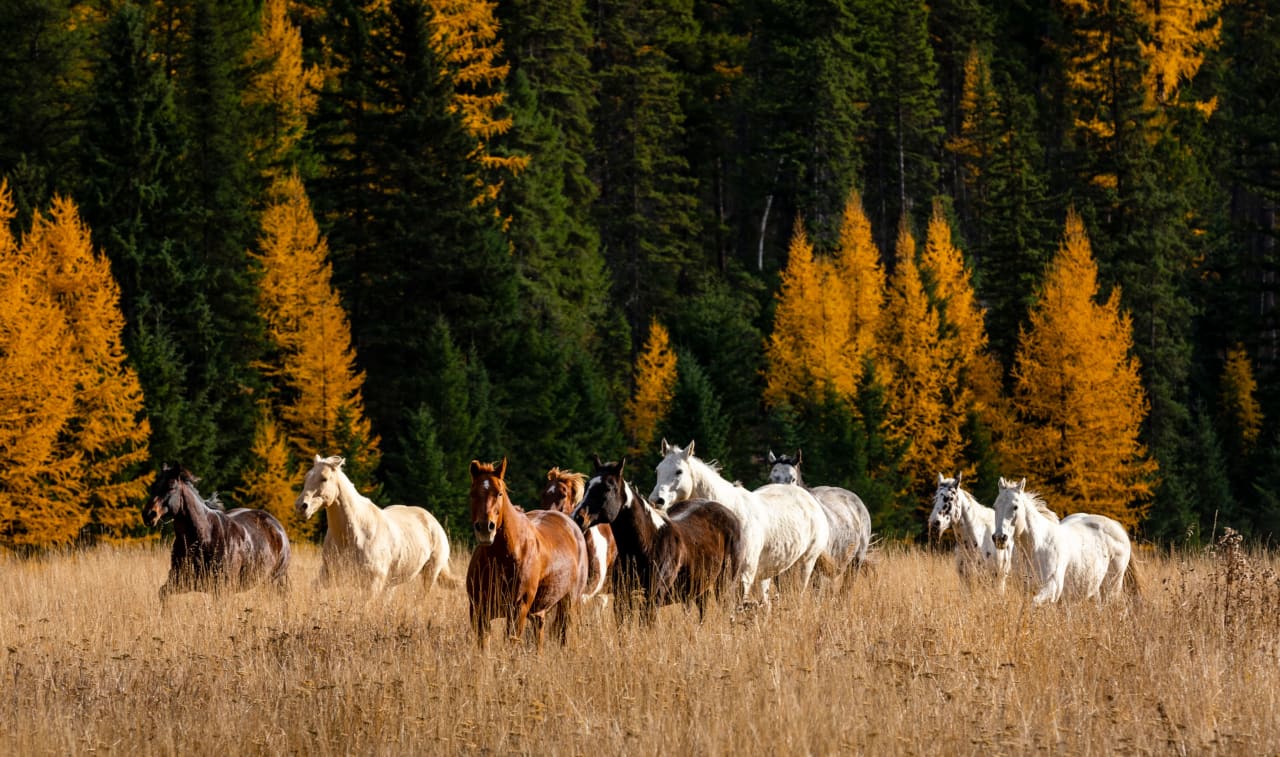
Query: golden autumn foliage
282,84
271,481
1240,404
978,106
913,373
72,430
1079,395
856,275
465,33
306,321
974,381
807,350
655,386
1179,34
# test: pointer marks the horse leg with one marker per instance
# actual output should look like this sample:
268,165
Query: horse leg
561,623
480,624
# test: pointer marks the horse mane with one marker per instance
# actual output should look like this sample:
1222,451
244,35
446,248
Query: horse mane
715,467
214,503
576,481
1042,506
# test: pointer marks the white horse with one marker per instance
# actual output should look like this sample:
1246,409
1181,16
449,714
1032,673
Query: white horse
378,547
847,516
783,527
975,525
1081,556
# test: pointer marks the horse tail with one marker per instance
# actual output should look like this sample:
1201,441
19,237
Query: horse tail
1133,579
447,579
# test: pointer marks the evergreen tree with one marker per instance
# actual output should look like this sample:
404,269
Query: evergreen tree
271,480
1078,392
695,413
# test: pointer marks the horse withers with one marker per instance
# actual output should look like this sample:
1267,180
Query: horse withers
525,565
214,549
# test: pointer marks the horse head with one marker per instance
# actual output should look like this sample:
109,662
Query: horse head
675,476
488,495
1010,518
563,490
166,495
605,495
785,469
320,487
946,505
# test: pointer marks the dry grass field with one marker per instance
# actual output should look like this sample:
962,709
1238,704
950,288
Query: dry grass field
907,661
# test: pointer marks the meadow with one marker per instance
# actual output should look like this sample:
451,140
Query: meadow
905,660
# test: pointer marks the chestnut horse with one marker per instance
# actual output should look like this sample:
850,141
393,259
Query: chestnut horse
563,492
213,549
686,553
525,564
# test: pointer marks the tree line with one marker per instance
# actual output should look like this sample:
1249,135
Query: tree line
906,238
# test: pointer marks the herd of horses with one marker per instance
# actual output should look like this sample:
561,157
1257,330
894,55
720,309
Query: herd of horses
695,539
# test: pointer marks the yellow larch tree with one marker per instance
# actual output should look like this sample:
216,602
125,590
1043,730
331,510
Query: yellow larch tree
283,86
76,412
466,34
1240,408
857,277
973,385
320,387
806,351
272,482
1079,395
655,387
1179,34
909,359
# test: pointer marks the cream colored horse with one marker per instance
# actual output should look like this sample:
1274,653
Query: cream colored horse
376,547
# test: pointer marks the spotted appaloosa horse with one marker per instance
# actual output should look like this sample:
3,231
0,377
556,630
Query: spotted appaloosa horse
524,564
213,549
688,553
974,524
563,492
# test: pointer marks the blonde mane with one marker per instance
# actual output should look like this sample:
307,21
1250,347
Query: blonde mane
1041,505
577,481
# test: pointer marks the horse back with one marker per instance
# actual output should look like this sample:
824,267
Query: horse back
259,541
711,541
563,550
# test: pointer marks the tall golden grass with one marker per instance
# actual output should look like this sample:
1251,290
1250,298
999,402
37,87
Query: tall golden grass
906,661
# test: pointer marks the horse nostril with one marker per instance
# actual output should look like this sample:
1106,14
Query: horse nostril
493,526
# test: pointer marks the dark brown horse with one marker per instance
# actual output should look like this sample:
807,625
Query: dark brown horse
563,492
525,564
215,550
688,553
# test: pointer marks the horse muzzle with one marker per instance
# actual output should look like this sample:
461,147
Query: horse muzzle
1000,540
485,532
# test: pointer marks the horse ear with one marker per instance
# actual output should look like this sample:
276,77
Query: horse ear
621,464
475,468
799,455
772,459
341,461
688,451
665,447
319,459
940,479
596,457
1022,485
1003,484
959,476
502,468
551,474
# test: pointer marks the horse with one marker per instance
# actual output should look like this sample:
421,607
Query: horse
846,514
214,549
1083,555
563,492
975,524
783,526
524,564
687,553
377,547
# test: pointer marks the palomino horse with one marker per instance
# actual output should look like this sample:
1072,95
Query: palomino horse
783,526
214,549
846,515
975,524
563,492
525,564
1081,556
376,547
685,554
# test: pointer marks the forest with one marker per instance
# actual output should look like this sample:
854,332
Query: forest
979,236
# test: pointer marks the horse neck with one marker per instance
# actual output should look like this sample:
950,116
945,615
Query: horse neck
1038,528
638,525
196,516
515,529
351,509
709,484
972,518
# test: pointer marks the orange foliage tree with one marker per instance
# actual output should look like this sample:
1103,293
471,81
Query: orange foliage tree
73,437
1241,411
272,483
320,402
1079,395
283,87
857,276
913,372
655,387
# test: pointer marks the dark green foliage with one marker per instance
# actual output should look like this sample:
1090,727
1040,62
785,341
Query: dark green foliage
696,414
423,476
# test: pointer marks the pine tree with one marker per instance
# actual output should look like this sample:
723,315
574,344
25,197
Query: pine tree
1179,34
695,413
655,381
913,374
315,373
88,460
1079,395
